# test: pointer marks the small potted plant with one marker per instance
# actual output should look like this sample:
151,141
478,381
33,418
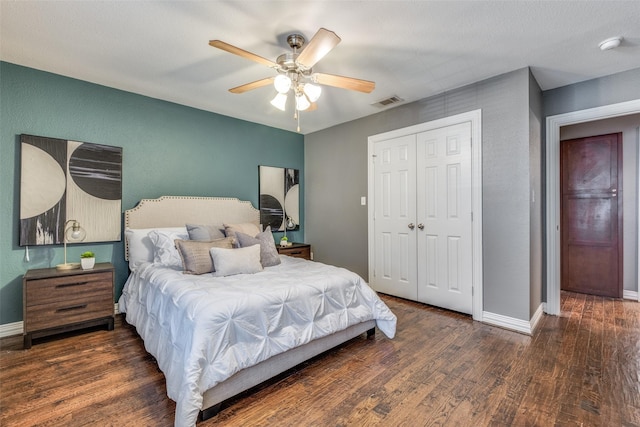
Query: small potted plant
87,260
284,241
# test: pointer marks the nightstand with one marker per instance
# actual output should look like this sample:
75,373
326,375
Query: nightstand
297,250
56,301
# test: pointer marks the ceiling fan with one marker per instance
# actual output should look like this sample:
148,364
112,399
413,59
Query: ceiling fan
295,71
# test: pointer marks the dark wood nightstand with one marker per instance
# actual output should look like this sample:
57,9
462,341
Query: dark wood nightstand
56,301
297,250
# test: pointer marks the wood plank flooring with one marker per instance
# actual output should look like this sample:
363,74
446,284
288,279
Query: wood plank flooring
579,369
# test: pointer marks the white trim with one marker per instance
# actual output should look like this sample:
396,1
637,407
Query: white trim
537,316
632,295
553,186
475,117
513,324
10,329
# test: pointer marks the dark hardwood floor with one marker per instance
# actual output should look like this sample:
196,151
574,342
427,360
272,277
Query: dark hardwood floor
579,369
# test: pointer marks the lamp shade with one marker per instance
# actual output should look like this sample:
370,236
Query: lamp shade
302,103
280,101
312,91
282,83
75,233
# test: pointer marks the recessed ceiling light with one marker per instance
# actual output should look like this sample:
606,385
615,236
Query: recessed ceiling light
611,43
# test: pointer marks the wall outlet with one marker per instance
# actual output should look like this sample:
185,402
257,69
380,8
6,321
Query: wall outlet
363,200
311,255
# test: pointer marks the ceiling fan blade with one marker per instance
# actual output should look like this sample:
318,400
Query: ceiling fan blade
243,53
345,82
319,45
253,85
312,107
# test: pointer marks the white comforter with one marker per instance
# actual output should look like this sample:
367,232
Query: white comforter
203,329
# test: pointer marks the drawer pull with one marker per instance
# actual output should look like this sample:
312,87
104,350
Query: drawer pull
295,253
68,285
73,307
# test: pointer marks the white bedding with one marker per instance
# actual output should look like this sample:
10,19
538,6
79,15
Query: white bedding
203,329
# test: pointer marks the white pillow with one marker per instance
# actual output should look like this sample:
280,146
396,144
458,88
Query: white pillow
164,247
228,262
140,245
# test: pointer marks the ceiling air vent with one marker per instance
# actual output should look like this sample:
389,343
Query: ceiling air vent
388,101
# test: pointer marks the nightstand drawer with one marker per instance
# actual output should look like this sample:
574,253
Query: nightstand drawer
75,310
296,250
59,289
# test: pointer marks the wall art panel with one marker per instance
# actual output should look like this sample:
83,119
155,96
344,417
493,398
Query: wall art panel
279,198
63,180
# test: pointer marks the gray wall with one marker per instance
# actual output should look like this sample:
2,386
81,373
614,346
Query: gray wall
628,125
336,178
535,197
607,90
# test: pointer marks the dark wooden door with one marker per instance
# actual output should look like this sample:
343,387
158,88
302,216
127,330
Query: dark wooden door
591,211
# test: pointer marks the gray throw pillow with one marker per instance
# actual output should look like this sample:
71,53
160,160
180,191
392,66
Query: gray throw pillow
205,233
268,252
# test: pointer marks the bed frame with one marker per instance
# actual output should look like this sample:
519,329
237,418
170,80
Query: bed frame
176,211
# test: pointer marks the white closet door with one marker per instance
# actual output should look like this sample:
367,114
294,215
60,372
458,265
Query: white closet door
395,268
444,233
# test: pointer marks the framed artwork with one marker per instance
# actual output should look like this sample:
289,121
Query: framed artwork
279,198
63,180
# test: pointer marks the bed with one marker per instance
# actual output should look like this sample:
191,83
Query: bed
215,335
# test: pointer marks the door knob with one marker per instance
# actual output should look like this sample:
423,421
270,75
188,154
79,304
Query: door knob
421,226
411,226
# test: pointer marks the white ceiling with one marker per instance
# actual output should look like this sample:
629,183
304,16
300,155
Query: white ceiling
411,49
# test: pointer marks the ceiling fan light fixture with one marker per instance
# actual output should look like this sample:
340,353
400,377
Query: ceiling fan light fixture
282,83
280,101
302,103
295,71
312,91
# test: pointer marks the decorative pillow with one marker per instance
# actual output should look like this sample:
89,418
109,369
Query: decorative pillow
140,245
195,255
228,262
268,253
164,247
205,232
245,227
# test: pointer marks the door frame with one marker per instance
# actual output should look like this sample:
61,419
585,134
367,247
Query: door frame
554,123
475,117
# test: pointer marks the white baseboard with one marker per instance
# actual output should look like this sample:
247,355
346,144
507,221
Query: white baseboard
630,295
9,329
536,318
17,328
518,325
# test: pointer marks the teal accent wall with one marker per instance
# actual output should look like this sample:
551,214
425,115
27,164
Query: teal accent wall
168,149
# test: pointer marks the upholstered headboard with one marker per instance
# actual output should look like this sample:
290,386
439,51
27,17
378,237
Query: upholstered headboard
176,211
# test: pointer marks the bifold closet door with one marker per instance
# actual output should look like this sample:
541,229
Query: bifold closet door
444,229
395,270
